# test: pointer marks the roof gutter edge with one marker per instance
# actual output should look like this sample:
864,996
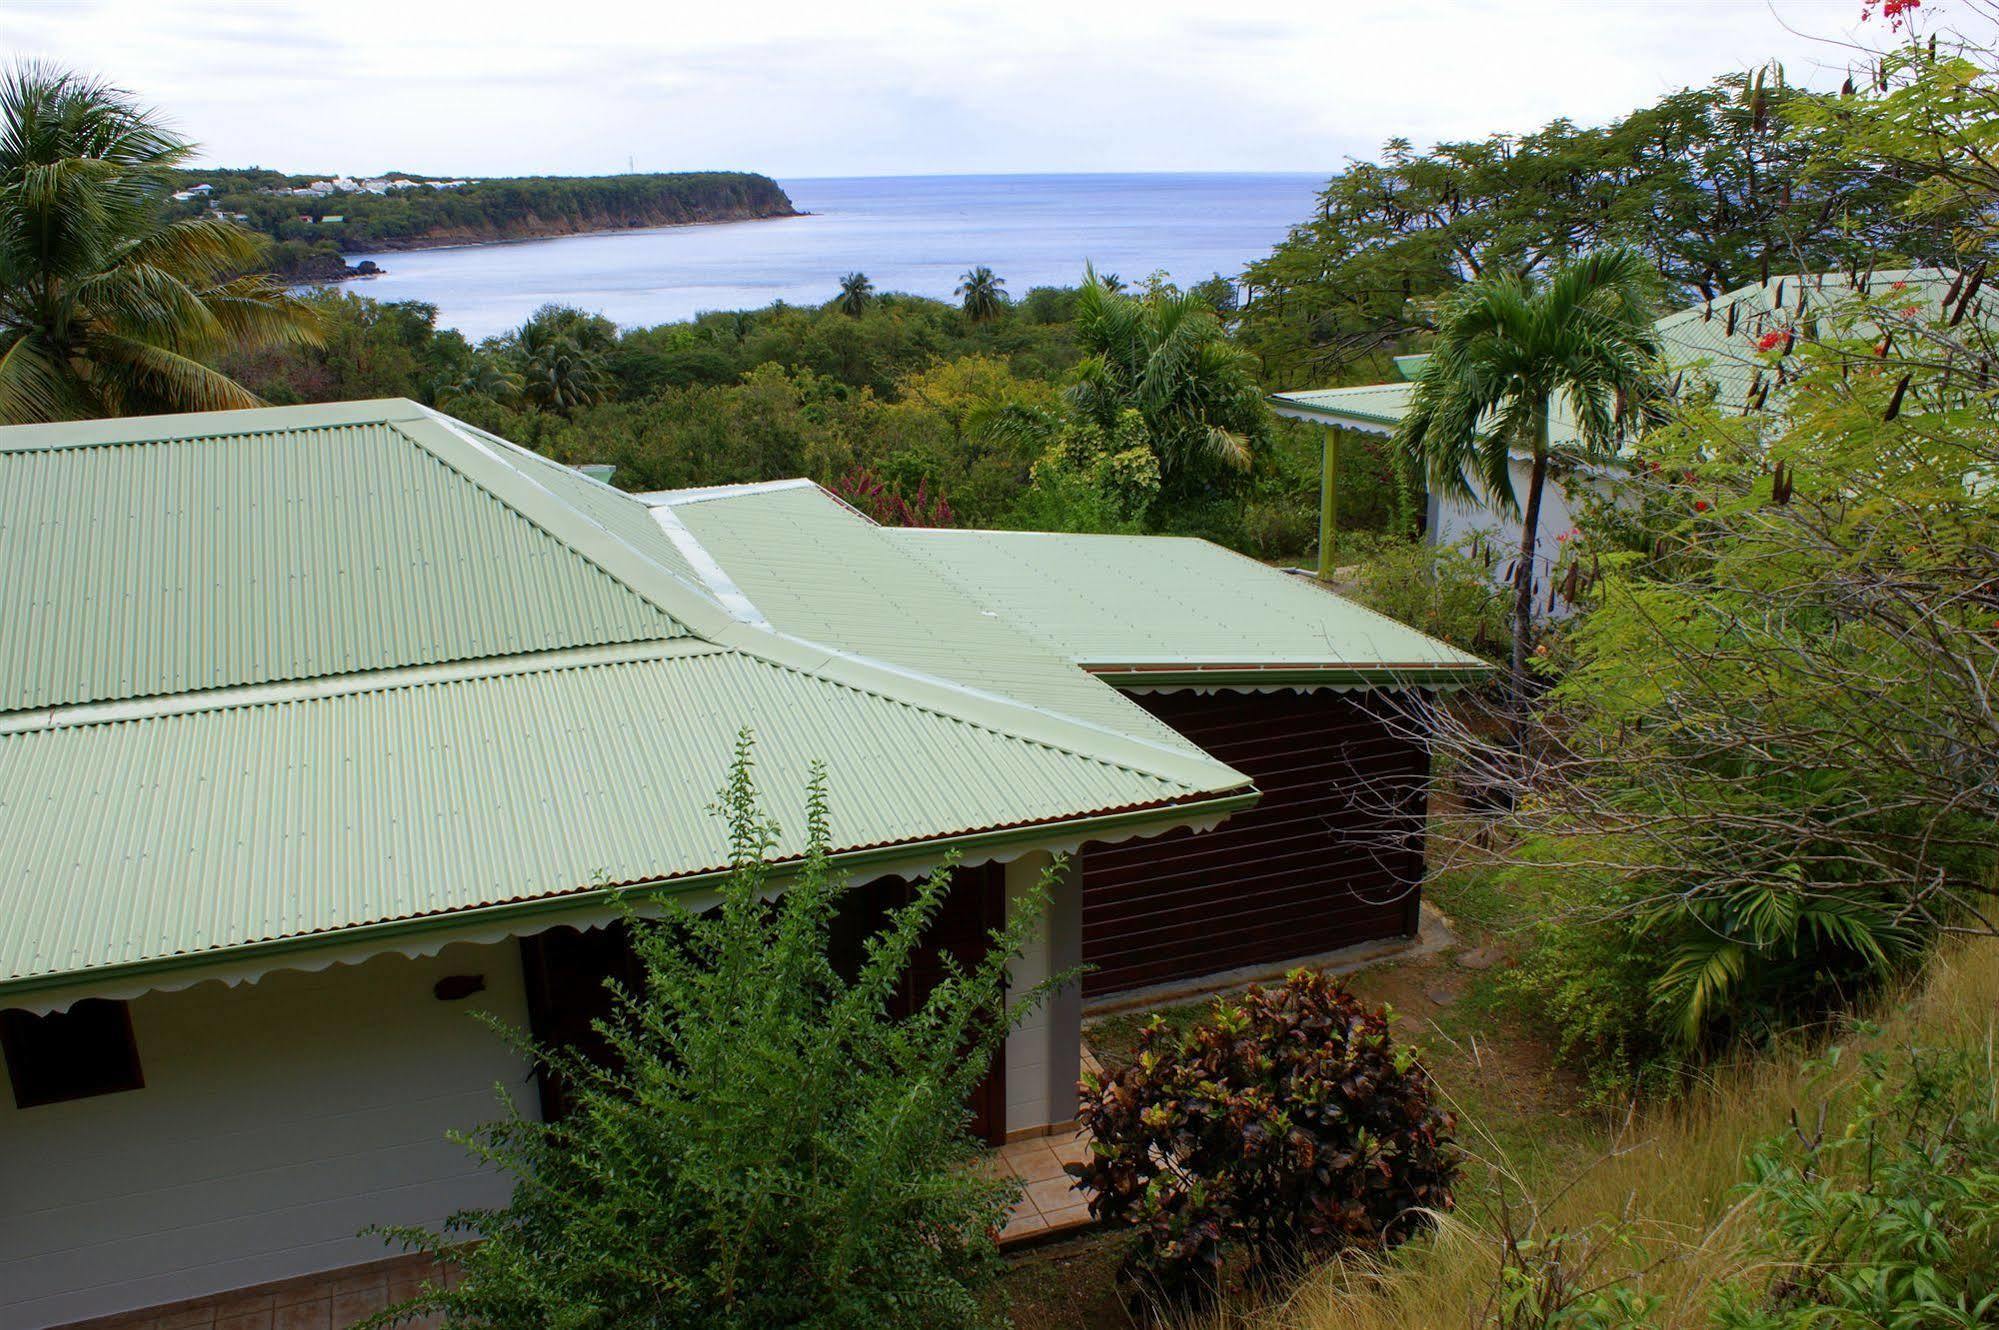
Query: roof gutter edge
81,984
1407,676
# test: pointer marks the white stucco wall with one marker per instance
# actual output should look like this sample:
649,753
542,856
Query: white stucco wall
1459,522
277,1120
1044,1053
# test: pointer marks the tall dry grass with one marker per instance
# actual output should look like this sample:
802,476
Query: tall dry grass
1661,1196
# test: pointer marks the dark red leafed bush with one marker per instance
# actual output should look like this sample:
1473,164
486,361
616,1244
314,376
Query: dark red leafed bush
880,501
1287,1125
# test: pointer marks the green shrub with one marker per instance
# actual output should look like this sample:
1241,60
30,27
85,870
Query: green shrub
1889,1219
1092,480
767,1146
1446,592
1286,1125
1280,526
1587,975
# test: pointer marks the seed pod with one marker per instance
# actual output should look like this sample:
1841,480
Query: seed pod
1895,402
1964,301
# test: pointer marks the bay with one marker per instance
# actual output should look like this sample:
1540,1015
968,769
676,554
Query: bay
917,234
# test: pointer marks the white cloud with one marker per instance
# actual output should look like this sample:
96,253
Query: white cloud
802,87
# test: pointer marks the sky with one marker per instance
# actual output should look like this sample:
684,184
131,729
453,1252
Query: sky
802,88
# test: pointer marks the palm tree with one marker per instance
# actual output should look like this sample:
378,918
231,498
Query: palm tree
106,308
486,378
983,294
557,371
856,291
1167,357
1507,347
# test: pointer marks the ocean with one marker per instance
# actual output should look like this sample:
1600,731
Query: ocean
917,234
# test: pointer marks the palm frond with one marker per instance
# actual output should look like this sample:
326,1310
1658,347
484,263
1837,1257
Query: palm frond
32,387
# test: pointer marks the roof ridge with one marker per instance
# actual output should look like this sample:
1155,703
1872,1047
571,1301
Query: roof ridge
707,618
189,426
195,701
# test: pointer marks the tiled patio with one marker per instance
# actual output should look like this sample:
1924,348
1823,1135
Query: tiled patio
1051,1203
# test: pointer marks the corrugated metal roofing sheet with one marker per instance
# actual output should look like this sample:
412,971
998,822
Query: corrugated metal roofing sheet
140,841
816,568
1373,405
1106,601
277,550
392,780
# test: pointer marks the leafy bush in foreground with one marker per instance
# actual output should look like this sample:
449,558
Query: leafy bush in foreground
1286,1125
768,1146
1890,1218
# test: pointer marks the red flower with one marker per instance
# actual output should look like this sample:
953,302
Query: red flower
1700,505
1910,311
1771,338
1897,12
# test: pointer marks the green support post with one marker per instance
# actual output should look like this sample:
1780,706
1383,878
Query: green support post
1329,502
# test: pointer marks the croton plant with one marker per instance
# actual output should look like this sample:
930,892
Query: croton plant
1287,1125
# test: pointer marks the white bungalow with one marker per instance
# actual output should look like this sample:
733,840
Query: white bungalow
1711,346
323,728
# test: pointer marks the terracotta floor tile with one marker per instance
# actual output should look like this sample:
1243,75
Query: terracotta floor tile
1054,1194
1021,1227
1073,1151
1033,1145
1068,1216
1038,1167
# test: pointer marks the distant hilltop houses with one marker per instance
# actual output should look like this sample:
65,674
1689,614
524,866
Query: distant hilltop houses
320,189
344,184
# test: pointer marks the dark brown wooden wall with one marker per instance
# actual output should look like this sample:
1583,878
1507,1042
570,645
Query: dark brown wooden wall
566,970
1332,855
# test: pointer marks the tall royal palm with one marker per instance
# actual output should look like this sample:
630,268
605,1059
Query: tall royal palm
982,293
1508,351
106,307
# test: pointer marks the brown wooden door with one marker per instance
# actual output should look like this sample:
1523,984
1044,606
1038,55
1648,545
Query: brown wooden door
566,968
976,905
1331,855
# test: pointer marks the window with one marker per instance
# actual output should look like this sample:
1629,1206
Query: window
87,1050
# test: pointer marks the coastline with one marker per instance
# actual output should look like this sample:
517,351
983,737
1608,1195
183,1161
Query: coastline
454,242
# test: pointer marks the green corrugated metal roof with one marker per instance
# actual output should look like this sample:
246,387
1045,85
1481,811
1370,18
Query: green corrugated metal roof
1697,345
279,550
816,568
394,782
160,840
1146,607
1376,406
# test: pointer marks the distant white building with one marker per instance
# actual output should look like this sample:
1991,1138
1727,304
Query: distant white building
1713,345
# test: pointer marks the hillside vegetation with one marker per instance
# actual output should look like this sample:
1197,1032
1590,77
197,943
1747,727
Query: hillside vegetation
1654,1211
456,213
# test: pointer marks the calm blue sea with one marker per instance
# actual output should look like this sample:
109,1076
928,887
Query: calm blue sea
912,233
